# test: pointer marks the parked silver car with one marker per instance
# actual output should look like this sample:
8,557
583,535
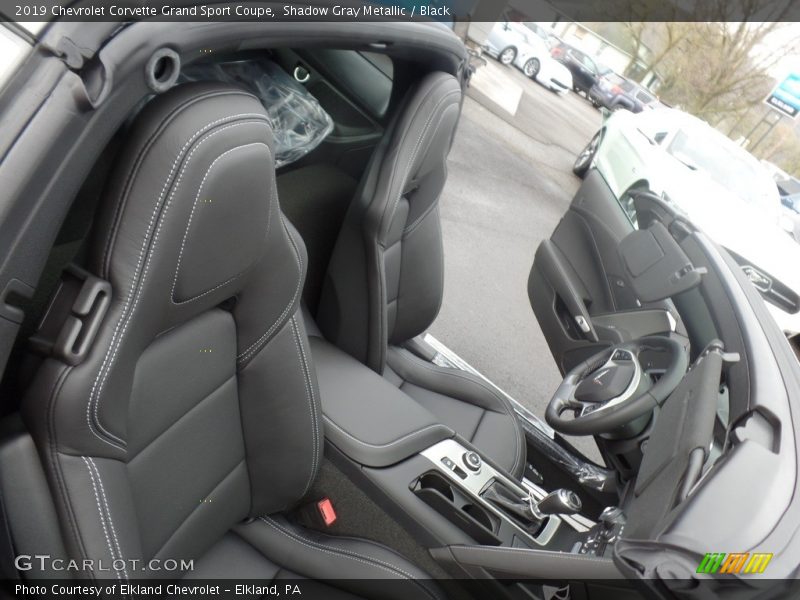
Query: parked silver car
514,43
719,185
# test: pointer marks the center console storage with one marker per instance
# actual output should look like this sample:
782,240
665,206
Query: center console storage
457,486
434,489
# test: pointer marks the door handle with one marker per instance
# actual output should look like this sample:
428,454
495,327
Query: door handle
558,272
582,324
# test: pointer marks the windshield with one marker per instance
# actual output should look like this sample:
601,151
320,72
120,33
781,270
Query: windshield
704,152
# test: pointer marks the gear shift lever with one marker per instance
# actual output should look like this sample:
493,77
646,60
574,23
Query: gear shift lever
558,502
520,506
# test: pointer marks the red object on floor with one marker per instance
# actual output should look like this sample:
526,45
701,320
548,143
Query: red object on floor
325,507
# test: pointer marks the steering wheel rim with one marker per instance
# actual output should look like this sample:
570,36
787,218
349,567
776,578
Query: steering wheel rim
614,416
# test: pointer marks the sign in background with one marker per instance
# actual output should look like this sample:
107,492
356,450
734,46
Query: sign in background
785,98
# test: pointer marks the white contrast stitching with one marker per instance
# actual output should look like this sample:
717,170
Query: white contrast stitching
108,514
189,223
256,346
135,291
383,336
373,562
418,146
311,407
388,444
102,515
134,172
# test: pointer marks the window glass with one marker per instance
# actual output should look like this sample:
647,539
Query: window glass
13,50
700,151
652,126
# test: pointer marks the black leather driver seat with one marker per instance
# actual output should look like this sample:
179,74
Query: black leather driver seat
194,421
385,278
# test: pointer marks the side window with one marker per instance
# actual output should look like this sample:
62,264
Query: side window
627,204
652,127
585,61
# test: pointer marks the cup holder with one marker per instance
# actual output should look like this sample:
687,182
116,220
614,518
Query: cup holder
456,507
480,515
432,481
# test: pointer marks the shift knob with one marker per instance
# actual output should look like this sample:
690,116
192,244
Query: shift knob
559,502
612,516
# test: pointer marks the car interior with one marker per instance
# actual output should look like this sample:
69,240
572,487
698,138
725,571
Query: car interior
217,343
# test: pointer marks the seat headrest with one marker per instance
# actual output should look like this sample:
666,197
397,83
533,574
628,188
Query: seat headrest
188,211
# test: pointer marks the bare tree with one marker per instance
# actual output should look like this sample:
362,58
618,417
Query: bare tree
723,69
653,42
717,61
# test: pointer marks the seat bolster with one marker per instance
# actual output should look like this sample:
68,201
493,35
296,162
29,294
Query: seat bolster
28,509
360,566
464,387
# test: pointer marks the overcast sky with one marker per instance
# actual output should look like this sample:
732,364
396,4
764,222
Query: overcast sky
777,42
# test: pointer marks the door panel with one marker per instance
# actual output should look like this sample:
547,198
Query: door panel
578,286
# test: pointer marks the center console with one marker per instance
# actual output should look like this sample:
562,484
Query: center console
478,522
473,518
489,505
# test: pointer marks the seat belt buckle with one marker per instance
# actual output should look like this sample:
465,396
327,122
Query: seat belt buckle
326,511
317,515
73,316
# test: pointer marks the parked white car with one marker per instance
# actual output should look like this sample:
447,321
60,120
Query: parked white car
722,188
513,43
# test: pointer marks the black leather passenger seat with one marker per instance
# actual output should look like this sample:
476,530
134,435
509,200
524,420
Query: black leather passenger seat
193,423
385,281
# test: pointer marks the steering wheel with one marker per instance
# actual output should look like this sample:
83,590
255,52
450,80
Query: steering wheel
611,389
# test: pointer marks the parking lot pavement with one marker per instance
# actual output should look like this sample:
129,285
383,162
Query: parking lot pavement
509,182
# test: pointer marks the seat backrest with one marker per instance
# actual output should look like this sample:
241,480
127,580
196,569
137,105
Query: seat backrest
195,407
385,278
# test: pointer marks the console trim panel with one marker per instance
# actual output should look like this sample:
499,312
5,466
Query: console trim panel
475,482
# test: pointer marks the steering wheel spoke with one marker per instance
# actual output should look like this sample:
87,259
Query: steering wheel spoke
612,389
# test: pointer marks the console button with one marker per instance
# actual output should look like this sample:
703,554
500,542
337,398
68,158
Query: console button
460,472
621,355
448,463
472,461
